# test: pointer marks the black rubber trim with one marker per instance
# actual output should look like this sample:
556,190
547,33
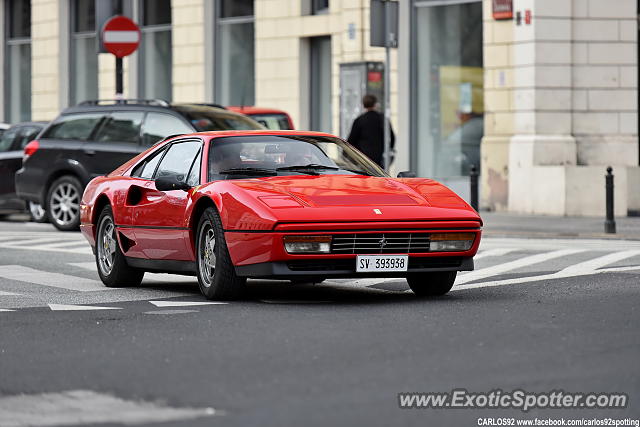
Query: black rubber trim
153,227
374,230
280,270
163,266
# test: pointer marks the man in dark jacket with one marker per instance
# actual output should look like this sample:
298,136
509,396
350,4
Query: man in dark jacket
367,132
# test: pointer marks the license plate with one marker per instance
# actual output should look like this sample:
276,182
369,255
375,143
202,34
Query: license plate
373,263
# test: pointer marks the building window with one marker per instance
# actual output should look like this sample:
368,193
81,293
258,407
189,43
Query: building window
84,52
155,50
315,7
18,61
320,84
234,61
448,98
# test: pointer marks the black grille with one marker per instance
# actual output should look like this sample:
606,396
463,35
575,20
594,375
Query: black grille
380,243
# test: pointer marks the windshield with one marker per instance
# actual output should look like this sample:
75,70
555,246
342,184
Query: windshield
269,155
272,121
203,120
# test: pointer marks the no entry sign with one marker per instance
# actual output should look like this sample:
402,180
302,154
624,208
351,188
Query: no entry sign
120,36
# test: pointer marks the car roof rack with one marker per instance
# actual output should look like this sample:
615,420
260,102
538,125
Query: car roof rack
128,101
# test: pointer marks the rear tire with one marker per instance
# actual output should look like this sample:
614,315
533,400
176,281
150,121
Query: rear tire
112,264
63,203
431,284
37,212
216,275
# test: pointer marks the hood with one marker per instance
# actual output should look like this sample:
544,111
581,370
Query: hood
348,198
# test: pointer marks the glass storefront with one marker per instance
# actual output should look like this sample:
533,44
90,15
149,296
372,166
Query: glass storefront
18,62
84,48
155,50
448,105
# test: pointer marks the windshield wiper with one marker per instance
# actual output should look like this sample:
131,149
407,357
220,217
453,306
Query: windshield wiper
248,171
359,172
310,168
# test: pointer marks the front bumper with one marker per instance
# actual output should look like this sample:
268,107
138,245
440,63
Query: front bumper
262,254
346,268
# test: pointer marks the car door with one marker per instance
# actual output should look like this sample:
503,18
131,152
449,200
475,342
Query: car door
159,217
116,141
10,161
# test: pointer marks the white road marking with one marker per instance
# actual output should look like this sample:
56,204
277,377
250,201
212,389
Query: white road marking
154,277
5,309
596,263
84,407
3,293
184,303
65,244
75,307
513,265
582,269
555,244
493,253
47,278
169,312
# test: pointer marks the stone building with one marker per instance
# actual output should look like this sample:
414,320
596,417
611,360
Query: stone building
541,101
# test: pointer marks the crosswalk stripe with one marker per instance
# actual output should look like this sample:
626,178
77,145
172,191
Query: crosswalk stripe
65,244
596,263
74,307
156,277
513,265
185,303
47,278
3,293
582,269
29,242
493,253
5,309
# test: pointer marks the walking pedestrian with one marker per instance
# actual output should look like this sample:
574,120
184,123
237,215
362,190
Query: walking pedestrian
367,132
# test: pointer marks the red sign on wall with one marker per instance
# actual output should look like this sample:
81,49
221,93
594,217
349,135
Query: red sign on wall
502,9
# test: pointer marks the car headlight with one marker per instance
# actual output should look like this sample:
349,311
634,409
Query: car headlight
451,242
307,244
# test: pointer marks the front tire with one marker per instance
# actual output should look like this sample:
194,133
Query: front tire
431,284
111,262
63,203
216,276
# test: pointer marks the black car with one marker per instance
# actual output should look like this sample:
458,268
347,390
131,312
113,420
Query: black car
95,137
12,143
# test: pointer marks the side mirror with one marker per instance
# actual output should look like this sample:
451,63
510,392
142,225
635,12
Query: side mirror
406,174
170,183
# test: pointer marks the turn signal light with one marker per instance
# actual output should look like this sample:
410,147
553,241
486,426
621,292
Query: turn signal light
451,242
29,149
307,244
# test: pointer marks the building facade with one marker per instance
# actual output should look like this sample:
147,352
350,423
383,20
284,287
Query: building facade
541,102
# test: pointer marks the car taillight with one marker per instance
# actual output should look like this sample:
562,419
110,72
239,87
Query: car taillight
29,149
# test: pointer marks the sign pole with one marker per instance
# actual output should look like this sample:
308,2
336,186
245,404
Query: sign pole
387,85
119,79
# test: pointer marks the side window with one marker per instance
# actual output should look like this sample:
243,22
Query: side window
74,126
158,126
6,142
150,165
27,134
178,160
194,174
121,127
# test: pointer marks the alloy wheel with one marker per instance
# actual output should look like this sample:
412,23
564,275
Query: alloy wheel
207,255
65,204
106,245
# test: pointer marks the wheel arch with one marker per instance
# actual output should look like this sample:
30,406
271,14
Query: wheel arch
52,178
201,205
101,201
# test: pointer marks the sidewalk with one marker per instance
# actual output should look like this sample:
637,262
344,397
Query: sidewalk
499,224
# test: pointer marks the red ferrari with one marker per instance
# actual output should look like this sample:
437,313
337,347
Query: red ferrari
303,206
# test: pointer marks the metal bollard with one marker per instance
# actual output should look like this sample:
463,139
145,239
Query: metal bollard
473,180
610,222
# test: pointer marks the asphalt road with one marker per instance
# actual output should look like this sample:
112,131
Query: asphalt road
74,353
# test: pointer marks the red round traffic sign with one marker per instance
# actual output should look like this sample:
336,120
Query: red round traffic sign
120,36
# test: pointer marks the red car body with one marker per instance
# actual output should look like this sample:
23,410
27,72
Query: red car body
257,113
156,230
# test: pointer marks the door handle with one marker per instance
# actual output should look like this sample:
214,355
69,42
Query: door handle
90,152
